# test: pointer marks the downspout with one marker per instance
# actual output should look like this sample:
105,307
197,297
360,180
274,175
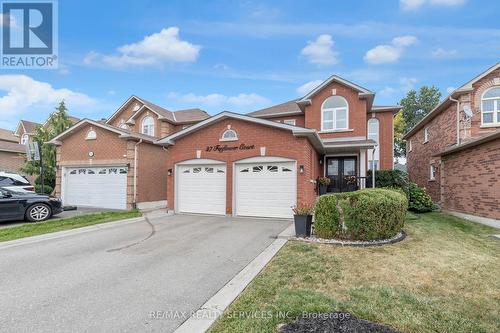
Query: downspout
458,118
373,168
134,203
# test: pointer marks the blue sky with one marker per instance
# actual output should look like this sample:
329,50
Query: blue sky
242,56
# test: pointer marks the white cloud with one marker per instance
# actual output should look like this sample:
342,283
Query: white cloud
389,53
156,49
405,84
307,87
217,100
410,5
443,53
23,92
449,90
320,51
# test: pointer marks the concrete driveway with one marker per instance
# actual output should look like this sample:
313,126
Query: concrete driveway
111,280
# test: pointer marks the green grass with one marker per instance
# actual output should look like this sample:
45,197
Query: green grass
33,229
443,278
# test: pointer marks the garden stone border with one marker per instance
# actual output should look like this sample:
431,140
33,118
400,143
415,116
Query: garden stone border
398,238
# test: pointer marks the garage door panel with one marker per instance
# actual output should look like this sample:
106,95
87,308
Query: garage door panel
202,189
265,189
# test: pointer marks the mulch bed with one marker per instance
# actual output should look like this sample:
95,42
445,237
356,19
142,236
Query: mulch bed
335,322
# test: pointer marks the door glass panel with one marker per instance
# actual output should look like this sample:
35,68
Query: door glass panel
333,167
349,167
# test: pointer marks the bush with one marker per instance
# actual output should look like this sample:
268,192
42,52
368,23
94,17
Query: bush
420,201
368,214
46,188
391,179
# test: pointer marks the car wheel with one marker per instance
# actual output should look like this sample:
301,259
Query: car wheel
38,212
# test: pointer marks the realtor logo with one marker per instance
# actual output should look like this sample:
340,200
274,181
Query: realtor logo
29,34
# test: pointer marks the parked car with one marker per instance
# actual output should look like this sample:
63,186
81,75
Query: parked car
15,182
27,206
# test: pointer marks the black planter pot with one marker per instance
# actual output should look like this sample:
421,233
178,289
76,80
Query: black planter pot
303,225
322,189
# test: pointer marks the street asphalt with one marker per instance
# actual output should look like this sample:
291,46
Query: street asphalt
139,277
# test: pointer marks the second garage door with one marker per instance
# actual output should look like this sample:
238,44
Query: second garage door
265,189
202,189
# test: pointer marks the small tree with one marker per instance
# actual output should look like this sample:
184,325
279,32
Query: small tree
57,123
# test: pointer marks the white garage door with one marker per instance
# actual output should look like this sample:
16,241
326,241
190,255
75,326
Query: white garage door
104,187
266,189
201,189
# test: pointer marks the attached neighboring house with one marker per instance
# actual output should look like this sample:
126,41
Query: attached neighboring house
12,154
25,130
263,163
454,151
115,164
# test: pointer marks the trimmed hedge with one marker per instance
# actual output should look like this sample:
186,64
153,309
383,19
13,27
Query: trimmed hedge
368,214
391,179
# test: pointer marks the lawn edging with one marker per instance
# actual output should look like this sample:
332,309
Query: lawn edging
209,312
63,233
340,242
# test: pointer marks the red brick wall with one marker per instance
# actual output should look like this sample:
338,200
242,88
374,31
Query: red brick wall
472,180
299,120
386,138
125,114
278,142
152,173
10,161
490,80
357,111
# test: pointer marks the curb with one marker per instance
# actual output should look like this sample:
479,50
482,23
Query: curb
64,233
208,313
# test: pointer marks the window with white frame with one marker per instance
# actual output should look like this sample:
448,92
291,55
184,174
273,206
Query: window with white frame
426,134
229,135
490,107
433,170
289,122
24,139
409,145
91,135
148,126
373,134
334,114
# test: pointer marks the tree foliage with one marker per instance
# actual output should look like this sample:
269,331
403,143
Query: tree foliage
415,106
57,123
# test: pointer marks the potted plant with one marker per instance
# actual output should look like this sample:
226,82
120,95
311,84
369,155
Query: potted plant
303,219
323,184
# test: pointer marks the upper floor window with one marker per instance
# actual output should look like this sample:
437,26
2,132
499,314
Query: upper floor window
334,112
426,134
373,134
24,139
289,122
148,126
229,135
490,107
91,135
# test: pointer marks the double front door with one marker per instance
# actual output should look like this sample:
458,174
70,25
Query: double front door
342,172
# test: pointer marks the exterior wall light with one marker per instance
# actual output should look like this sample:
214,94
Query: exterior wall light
169,172
301,169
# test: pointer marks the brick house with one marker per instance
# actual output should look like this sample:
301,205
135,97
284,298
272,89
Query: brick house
262,163
454,152
115,163
12,154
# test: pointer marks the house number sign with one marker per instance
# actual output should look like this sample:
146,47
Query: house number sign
225,148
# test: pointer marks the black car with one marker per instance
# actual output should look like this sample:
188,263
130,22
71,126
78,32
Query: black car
27,206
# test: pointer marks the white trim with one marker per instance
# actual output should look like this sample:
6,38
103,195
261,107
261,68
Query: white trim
426,134
337,131
337,79
229,139
152,125
468,85
277,114
334,115
263,159
496,109
122,106
348,138
432,172
197,161
292,121
131,120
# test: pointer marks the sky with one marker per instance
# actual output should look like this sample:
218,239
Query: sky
245,55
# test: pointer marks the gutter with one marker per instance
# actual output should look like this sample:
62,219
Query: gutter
134,203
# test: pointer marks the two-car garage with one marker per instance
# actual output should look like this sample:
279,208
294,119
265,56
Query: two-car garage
263,187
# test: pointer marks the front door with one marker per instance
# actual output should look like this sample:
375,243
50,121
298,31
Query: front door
342,172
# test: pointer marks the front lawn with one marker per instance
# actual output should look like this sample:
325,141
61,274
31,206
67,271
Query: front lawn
443,278
33,229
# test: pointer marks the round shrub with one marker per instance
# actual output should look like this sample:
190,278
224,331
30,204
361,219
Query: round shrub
420,201
369,214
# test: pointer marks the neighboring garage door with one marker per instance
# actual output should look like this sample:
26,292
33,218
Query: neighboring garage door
103,187
265,189
201,189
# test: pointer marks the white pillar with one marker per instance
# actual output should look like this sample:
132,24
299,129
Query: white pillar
362,168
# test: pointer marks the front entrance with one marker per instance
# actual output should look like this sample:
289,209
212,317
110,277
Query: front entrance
343,173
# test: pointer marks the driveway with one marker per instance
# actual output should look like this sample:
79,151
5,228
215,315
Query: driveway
111,280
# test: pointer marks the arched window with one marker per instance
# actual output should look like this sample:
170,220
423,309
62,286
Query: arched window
91,135
334,114
373,134
148,126
229,135
24,139
490,107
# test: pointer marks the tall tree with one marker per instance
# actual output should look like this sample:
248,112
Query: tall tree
57,123
415,106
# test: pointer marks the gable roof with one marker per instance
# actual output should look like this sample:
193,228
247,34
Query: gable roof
12,147
28,127
7,135
123,133
444,103
296,130
283,109
335,78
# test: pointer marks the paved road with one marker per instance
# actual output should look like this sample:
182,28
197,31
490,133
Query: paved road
111,280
